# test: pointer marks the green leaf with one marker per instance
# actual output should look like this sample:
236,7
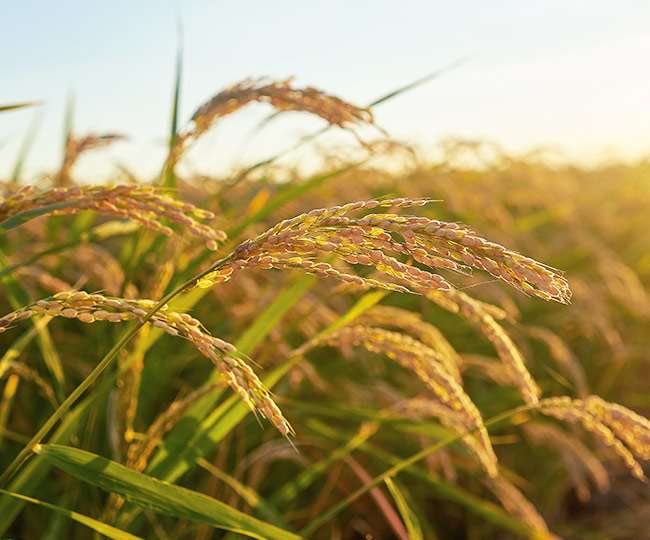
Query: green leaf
14,106
169,175
22,217
267,320
248,494
100,527
292,489
157,495
408,516
35,471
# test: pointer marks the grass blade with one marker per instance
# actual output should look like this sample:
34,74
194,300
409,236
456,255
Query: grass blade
408,516
15,106
98,526
249,495
154,494
402,465
169,174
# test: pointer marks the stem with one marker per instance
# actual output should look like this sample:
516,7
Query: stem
24,454
389,473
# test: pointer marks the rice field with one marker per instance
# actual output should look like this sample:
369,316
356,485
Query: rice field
452,348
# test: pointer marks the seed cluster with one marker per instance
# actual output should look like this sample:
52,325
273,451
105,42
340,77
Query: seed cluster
428,366
617,427
281,95
411,323
475,312
425,407
76,146
377,240
89,308
142,204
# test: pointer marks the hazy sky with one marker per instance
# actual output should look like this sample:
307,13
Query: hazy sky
570,74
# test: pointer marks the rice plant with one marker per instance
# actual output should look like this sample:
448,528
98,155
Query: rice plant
447,351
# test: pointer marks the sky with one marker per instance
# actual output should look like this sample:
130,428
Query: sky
571,76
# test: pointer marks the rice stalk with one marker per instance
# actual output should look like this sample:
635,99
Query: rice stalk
375,241
626,433
471,310
145,205
76,146
428,366
517,504
411,323
89,308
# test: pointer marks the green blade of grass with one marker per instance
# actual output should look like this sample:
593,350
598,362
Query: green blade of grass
169,174
408,515
403,464
32,475
293,488
249,495
6,402
157,495
15,106
98,526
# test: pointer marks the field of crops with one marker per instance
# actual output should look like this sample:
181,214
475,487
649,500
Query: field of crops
450,347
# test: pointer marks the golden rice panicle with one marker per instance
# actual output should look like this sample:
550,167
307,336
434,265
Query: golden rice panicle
425,363
630,427
281,95
378,240
76,146
594,419
457,243
89,308
411,323
518,505
423,407
474,312
145,205
579,461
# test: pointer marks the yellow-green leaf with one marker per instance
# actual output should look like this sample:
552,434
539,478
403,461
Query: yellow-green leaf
157,495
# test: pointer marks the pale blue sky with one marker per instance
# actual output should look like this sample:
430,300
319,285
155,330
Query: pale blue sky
572,74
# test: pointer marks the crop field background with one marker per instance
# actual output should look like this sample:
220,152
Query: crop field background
450,344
